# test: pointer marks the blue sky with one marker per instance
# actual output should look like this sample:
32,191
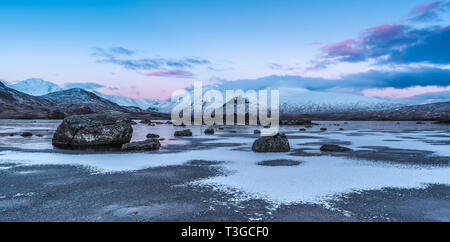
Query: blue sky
147,49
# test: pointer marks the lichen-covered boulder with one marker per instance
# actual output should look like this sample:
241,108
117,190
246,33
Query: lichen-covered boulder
148,144
103,129
277,143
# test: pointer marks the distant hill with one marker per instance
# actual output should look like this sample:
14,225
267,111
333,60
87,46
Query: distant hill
77,101
15,104
57,105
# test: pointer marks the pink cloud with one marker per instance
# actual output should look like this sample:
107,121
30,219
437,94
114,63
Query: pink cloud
343,48
393,93
424,7
172,73
428,11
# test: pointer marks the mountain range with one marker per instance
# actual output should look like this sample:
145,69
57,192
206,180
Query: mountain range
36,98
56,105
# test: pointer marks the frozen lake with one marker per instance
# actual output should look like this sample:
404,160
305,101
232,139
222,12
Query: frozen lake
385,155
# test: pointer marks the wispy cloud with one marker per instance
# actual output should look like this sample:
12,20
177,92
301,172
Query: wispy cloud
121,56
280,67
112,52
427,12
172,73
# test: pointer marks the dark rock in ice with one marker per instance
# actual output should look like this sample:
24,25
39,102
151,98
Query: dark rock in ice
186,132
334,148
209,131
296,122
152,135
26,134
148,144
277,143
279,163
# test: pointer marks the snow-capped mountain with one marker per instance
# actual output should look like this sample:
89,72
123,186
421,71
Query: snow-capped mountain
293,98
144,104
302,101
35,87
296,101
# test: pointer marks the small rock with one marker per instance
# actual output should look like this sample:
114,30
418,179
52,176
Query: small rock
169,122
209,131
341,129
279,163
11,134
148,144
152,135
186,132
277,143
26,134
334,148
420,123
146,121
256,131
323,129
303,130
220,128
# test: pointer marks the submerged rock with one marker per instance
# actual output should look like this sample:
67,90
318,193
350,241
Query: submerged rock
209,131
186,132
26,134
146,121
283,162
296,122
334,148
148,144
277,143
152,135
103,129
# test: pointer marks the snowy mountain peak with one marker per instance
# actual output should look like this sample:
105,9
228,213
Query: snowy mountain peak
35,87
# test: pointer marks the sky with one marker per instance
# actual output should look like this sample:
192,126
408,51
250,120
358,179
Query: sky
147,49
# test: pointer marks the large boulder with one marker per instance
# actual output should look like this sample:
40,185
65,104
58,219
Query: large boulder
277,143
102,129
148,144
